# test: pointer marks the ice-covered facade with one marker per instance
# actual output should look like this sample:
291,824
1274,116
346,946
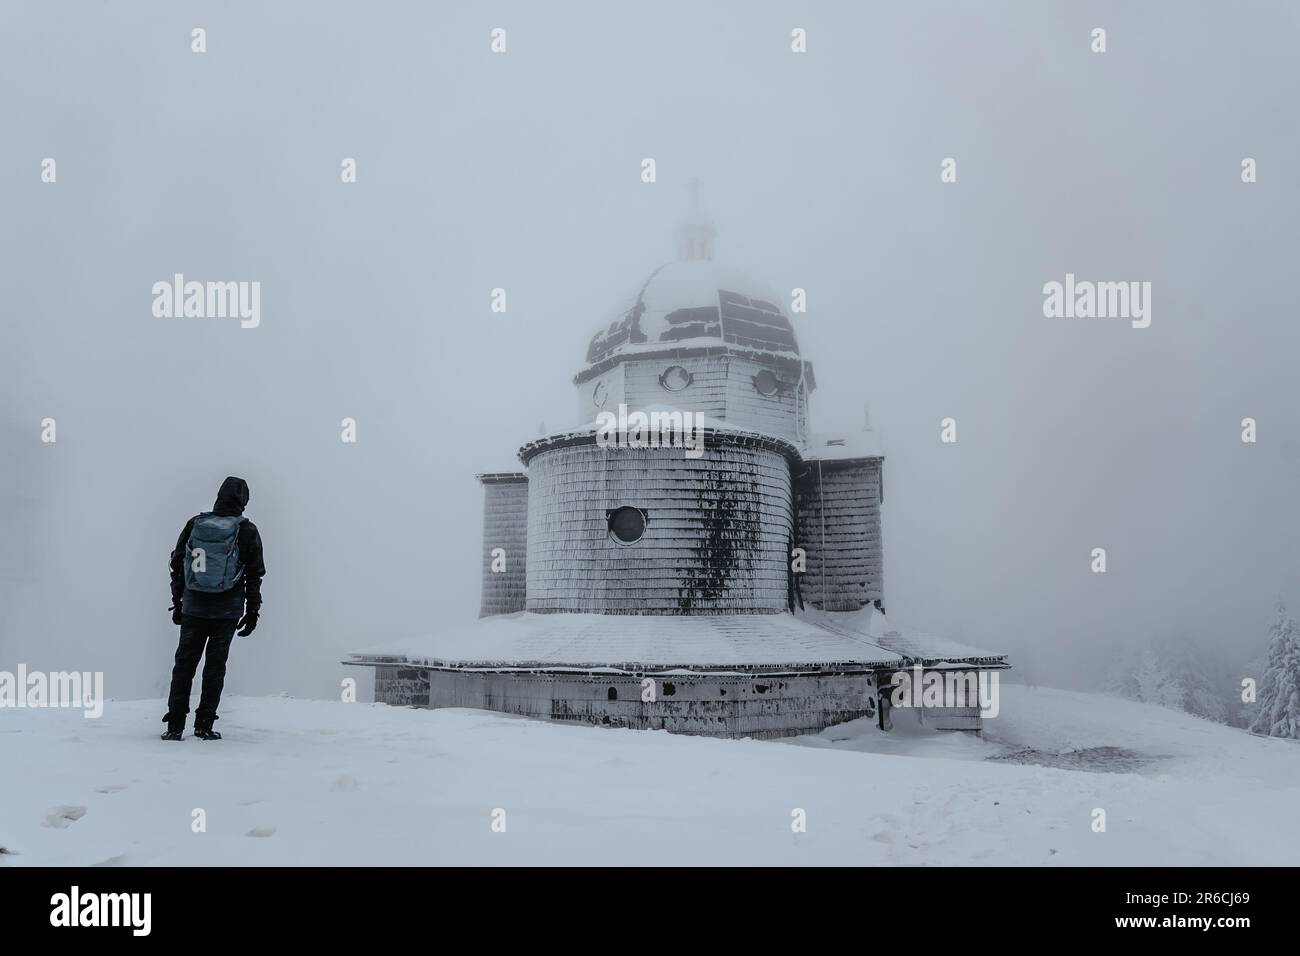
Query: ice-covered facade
736,590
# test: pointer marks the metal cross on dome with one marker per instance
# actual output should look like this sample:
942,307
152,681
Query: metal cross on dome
695,232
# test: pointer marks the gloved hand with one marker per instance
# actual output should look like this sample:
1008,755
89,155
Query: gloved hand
176,613
247,623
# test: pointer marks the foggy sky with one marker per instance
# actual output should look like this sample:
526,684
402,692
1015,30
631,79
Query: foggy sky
521,171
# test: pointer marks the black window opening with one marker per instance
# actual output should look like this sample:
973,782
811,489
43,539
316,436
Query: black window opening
626,525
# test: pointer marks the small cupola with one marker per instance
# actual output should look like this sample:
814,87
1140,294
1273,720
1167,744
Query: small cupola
696,232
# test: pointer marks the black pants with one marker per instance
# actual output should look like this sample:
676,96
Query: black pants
216,633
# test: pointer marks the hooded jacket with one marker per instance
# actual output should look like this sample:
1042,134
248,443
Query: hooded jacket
231,500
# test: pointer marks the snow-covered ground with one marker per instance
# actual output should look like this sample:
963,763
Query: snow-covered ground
312,782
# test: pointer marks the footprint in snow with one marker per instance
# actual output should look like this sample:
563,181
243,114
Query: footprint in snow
111,788
261,832
346,783
61,816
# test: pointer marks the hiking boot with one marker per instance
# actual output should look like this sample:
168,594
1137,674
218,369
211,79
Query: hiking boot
175,727
203,730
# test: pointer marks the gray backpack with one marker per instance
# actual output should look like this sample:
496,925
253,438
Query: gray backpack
212,561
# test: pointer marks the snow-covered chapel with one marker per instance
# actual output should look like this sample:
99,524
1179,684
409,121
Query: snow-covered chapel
735,590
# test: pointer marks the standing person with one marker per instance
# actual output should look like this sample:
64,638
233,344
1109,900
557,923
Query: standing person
217,574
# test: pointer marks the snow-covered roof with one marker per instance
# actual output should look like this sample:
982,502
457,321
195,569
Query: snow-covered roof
697,303
498,477
917,647
636,642
712,429
842,446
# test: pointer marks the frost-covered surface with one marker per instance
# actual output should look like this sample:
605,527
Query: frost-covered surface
843,445
1279,694
871,625
680,306
697,642
707,425
634,642
312,782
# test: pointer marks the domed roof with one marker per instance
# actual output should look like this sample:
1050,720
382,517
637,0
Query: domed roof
694,303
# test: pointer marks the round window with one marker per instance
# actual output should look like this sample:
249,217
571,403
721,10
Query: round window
600,394
675,378
765,382
626,525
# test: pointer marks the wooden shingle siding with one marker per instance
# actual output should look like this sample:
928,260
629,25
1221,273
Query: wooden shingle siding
716,541
614,392
722,388
707,393
505,525
402,686
846,567
780,414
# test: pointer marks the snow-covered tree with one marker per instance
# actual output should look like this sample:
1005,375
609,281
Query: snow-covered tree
1155,684
1279,692
1205,680
1141,675
1118,679
1169,674
1247,711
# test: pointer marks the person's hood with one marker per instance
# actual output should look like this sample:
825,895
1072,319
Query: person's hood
232,497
